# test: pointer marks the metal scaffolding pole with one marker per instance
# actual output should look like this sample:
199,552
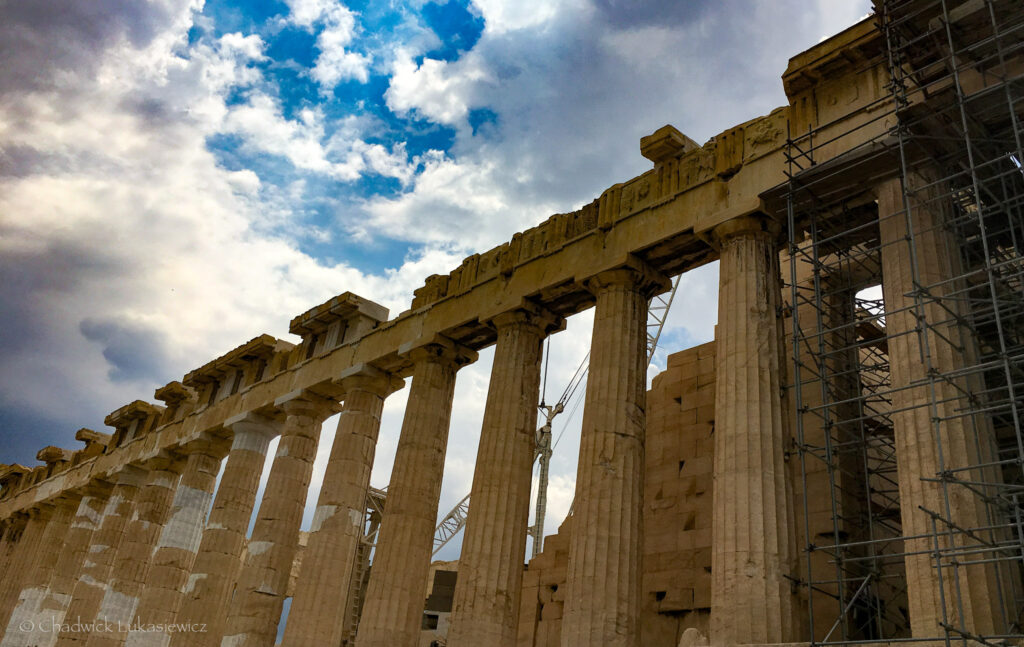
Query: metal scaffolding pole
955,101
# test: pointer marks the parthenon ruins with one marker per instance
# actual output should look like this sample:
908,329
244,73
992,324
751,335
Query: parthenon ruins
843,464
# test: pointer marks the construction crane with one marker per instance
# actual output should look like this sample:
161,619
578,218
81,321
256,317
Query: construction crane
544,460
657,312
454,521
373,513
451,524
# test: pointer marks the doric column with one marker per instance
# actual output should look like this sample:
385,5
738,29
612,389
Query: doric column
131,565
23,560
40,570
207,592
604,571
932,435
13,528
318,610
753,545
98,564
258,600
486,606
393,611
69,565
175,551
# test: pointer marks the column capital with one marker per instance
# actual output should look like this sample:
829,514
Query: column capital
68,499
253,423
204,443
636,273
438,348
98,486
752,224
366,377
43,510
531,315
131,475
304,402
164,460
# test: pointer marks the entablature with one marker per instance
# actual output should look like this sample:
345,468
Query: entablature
341,320
237,369
132,421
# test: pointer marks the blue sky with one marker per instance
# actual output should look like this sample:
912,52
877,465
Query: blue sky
179,176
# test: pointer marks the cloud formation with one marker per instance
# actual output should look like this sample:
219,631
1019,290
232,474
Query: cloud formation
175,181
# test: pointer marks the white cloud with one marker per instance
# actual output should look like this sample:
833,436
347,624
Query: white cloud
471,204
391,163
250,47
245,182
306,13
121,221
335,63
113,210
261,124
437,90
502,16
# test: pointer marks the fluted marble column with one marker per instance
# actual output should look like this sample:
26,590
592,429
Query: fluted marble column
69,565
603,597
14,532
393,611
487,593
23,560
40,570
96,569
319,606
13,526
131,565
207,592
256,607
923,336
12,529
175,551
753,547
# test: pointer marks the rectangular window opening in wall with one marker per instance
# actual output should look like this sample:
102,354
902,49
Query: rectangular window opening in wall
430,621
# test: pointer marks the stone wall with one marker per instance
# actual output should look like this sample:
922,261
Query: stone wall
677,516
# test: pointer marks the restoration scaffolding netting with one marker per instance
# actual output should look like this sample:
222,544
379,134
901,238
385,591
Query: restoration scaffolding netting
906,314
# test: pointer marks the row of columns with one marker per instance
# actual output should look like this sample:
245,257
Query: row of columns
604,561
753,538
89,568
165,568
195,569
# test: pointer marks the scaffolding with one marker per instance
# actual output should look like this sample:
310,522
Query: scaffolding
952,144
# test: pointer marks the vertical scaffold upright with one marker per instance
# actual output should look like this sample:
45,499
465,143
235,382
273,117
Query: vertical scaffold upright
906,315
